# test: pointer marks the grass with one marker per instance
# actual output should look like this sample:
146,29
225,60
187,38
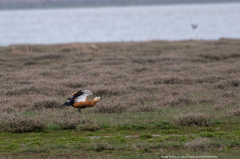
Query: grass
113,142
160,99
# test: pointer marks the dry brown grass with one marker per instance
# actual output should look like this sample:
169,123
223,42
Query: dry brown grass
198,144
193,119
235,112
20,124
131,76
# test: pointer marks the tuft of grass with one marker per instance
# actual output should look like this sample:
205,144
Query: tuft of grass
193,119
137,126
145,136
100,147
164,125
206,134
54,127
235,112
16,124
198,144
47,103
116,108
234,144
91,126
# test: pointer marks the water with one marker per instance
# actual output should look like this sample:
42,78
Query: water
138,23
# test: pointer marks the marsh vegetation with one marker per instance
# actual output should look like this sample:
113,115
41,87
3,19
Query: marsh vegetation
186,91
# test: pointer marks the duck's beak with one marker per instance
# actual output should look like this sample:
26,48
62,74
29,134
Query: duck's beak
101,98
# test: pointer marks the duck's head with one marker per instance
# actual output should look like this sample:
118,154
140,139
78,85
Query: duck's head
96,99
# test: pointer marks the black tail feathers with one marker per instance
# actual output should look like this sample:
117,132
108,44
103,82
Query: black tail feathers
67,104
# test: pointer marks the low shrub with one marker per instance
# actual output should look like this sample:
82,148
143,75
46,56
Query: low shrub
180,101
63,119
145,136
207,134
193,119
100,147
90,126
137,126
235,83
54,127
66,125
23,90
70,122
16,124
235,112
163,125
171,80
47,103
146,108
197,144
234,144
115,108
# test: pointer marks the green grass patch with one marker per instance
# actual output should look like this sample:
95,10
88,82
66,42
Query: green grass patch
55,142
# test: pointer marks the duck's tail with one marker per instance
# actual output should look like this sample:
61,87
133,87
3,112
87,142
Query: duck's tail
67,103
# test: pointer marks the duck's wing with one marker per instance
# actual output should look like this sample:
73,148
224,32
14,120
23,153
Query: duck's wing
80,96
75,95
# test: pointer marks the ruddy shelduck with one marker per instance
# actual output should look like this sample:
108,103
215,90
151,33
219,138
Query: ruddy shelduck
80,100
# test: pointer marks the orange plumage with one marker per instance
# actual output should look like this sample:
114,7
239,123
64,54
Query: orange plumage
84,104
79,100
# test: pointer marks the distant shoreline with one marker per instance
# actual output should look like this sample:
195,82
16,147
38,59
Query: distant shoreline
83,4
117,42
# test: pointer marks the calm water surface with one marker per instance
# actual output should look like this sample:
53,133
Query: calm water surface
139,23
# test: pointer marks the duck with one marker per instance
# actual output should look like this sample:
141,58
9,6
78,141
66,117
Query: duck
80,100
